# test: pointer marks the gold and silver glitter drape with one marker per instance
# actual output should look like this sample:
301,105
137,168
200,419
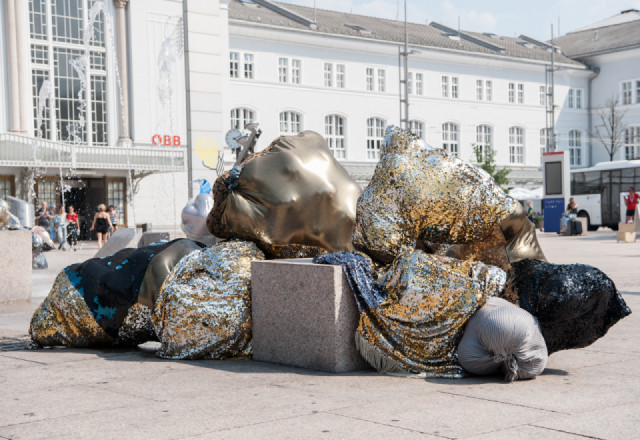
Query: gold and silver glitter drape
416,329
64,319
204,306
422,193
293,198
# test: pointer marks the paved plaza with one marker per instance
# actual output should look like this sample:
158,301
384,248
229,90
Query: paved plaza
114,394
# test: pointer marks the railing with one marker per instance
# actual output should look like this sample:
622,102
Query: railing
18,150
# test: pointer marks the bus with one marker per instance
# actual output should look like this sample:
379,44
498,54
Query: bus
599,191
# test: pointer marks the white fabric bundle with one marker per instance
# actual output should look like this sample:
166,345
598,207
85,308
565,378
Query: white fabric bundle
502,335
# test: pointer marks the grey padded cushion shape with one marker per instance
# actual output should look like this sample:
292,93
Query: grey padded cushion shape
501,335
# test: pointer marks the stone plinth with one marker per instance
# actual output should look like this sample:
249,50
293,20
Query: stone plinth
122,238
304,315
15,264
153,237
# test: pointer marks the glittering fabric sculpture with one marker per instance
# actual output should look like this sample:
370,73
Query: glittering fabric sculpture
575,304
107,300
501,336
38,246
204,307
421,193
8,220
413,321
293,199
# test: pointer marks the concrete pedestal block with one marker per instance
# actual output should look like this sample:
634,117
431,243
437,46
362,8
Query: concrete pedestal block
304,315
626,237
153,237
15,264
121,239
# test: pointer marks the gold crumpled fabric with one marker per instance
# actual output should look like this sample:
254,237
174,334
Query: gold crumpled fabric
204,306
293,199
64,318
416,329
423,193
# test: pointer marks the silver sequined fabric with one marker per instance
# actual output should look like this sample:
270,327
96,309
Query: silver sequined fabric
204,306
430,299
421,193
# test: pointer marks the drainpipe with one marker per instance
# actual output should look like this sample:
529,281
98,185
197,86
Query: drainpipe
594,74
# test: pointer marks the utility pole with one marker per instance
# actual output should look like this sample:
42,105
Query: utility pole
550,106
403,71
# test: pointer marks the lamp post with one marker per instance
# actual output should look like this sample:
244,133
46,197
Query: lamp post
403,73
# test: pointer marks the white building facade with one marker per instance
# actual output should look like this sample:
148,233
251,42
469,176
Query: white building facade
140,106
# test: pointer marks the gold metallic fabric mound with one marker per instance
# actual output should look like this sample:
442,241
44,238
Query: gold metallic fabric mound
64,319
423,193
416,329
204,307
290,198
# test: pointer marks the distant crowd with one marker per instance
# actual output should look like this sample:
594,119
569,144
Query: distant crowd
63,224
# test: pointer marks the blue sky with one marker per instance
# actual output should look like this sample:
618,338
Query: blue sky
503,17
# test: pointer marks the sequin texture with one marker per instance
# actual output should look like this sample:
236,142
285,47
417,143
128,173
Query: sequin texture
204,306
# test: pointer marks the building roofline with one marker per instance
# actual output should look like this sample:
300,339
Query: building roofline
507,58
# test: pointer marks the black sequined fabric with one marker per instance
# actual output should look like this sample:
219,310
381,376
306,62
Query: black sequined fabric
357,268
575,304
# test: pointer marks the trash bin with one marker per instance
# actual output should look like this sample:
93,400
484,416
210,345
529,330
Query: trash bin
146,227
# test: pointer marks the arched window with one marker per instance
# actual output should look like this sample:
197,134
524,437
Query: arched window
632,143
417,128
375,137
450,137
290,123
484,140
516,145
334,134
575,147
241,116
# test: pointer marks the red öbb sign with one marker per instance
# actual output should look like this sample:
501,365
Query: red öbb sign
166,139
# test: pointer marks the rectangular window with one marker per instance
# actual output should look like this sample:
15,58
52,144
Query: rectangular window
382,80
543,97
520,93
570,99
626,93
116,197
340,76
7,187
578,98
248,66
479,90
370,79
234,61
328,75
445,86
637,92
512,92
296,71
410,83
454,87
283,70
488,90
419,86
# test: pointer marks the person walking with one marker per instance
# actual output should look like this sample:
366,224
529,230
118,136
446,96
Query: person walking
631,200
73,226
113,216
101,224
43,217
60,222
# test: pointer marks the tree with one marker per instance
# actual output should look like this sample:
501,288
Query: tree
487,161
610,132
